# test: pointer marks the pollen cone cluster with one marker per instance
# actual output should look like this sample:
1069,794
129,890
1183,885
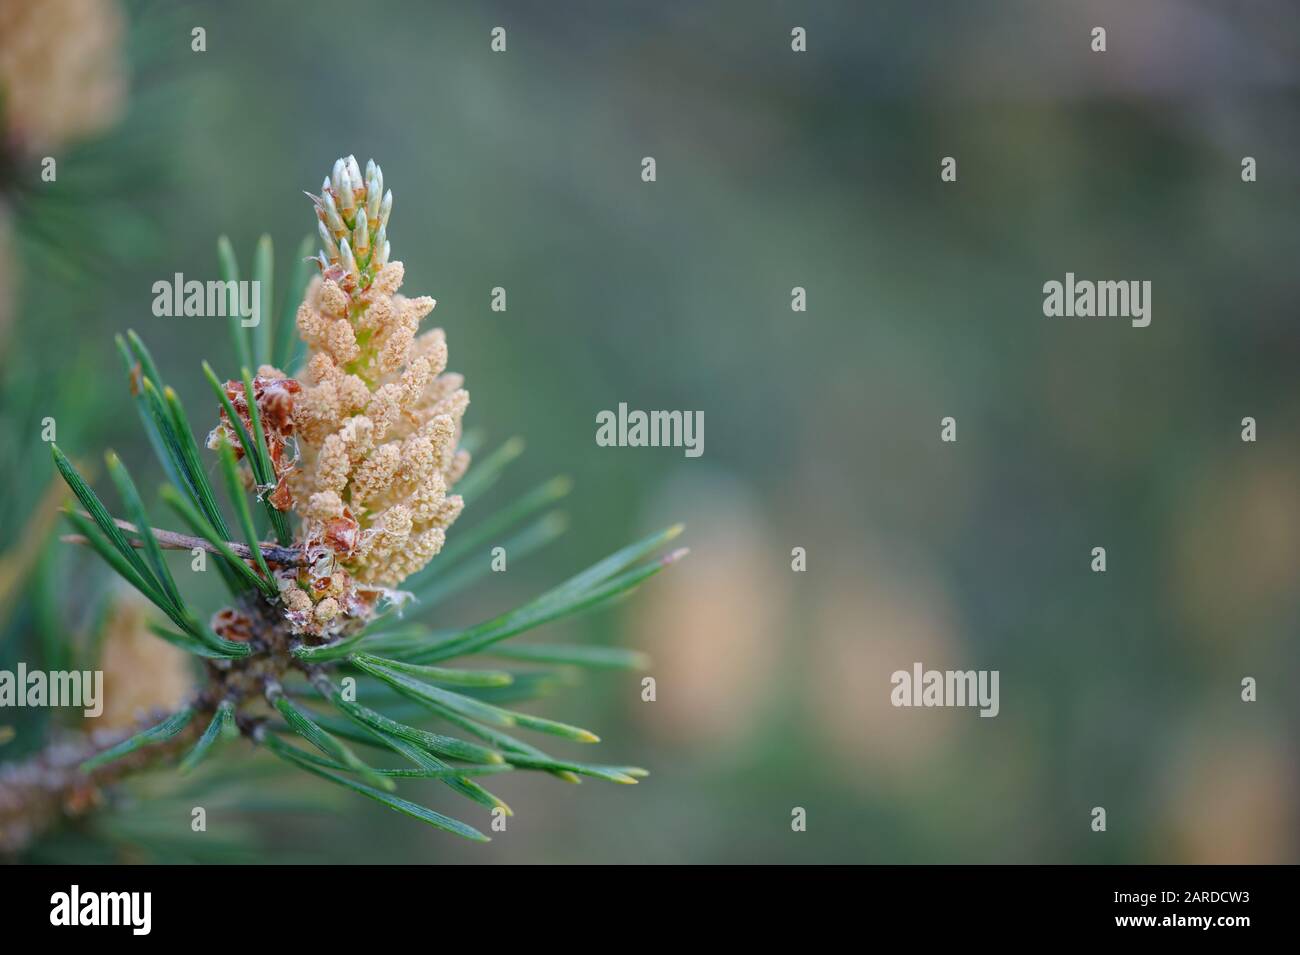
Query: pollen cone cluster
62,70
141,674
378,420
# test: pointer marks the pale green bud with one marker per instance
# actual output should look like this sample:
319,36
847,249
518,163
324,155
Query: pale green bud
346,198
327,239
361,234
347,260
332,217
374,195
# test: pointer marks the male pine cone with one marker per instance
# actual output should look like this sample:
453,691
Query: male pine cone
377,420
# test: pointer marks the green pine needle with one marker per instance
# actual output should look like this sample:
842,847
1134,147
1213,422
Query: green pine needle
144,530
453,676
456,782
207,498
485,473
592,587
374,722
200,526
95,508
140,363
326,652
287,341
113,557
469,707
212,647
431,584
449,582
229,267
612,774
322,740
438,820
264,275
222,724
235,491
534,502
169,433
613,658
155,734
446,772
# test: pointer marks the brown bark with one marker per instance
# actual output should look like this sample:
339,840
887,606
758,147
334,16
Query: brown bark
49,787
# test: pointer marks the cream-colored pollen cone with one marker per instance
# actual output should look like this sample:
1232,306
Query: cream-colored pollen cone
1237,547
378,420
142,673
62,70
873,618
1228,799
715,626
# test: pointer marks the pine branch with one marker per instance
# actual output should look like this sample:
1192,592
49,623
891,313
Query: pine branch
171,540
52,786
315,603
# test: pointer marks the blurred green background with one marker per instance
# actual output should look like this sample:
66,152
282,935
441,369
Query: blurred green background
775,170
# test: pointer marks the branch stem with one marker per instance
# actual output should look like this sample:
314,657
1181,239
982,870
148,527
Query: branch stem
49,786
170,540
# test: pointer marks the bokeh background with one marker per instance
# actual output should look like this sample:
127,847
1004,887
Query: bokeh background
775,170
